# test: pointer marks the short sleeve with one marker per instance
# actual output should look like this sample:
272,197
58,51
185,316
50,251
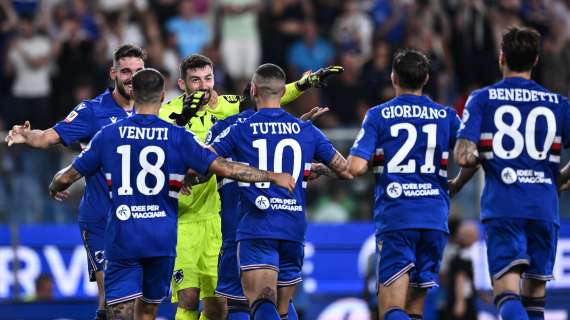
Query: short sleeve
454,126
195,155
225,142
367,138
77,126
324,150
89,161
470,128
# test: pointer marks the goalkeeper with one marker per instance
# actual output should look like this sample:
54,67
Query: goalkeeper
199,226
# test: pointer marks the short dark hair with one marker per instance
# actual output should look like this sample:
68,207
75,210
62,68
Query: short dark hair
412,67
128,51
269,80
520,48
194,61
148,85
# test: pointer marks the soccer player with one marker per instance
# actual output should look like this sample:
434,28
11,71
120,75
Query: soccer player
80,126
195,274
516,128
271,231
144,160
229,284
408,140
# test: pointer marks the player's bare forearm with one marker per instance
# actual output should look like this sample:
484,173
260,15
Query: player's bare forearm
238,171
465,153
339,167
64,179
464,175
40,139
244,173
357,166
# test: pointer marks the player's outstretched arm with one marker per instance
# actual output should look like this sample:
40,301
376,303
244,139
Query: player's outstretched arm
357,166
61,181
465,153
241,172
456,184
23,134
318,78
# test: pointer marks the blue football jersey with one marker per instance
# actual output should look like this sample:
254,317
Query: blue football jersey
408,140
228,189
81,125
519,128
274,140
144,160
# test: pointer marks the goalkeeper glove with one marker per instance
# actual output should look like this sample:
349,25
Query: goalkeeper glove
318,78
192,103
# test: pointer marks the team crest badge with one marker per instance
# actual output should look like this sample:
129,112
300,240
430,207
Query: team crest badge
178,276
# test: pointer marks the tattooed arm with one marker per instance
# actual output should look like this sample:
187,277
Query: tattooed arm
337,168
465,153
241,172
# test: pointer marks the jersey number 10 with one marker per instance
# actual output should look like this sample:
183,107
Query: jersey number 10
261,146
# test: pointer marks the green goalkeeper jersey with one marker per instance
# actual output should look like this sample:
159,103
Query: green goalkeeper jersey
204,202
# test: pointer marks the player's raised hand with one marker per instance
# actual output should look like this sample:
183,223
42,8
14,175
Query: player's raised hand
318,78
314,113
284,180
192,103
18,134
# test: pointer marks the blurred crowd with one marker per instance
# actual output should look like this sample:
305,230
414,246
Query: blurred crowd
56,53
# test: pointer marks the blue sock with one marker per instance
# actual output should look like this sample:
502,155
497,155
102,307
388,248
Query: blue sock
238,315
264,309
510,306
534,307
292,312
396,314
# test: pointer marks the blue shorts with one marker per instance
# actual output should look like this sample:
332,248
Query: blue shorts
285,257
145,278
229,283
93,236
526,243
417,251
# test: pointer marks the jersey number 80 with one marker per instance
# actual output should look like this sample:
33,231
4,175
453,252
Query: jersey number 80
512,131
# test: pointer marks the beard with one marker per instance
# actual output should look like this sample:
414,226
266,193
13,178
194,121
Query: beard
123,90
